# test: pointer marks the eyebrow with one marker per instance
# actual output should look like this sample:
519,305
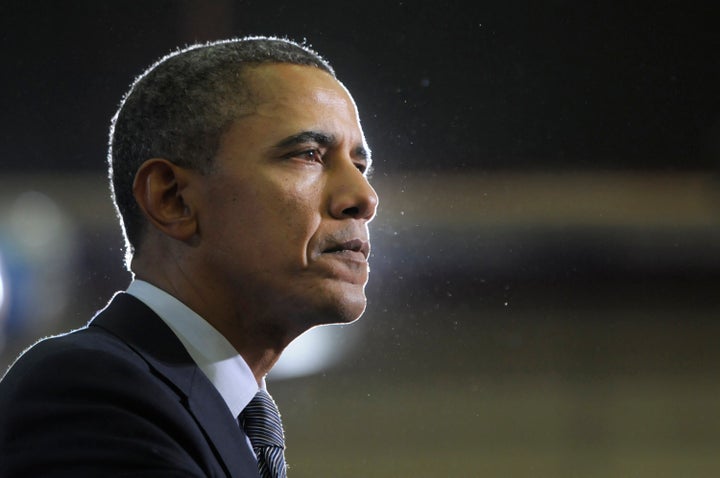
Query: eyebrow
323,139
326,140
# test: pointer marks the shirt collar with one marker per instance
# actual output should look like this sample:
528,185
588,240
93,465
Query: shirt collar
208,348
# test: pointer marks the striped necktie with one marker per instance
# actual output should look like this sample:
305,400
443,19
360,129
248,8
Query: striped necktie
261,421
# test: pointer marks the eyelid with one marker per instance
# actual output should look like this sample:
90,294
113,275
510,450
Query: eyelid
363,163
362,166
299,152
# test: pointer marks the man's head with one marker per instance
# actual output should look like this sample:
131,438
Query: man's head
180,106
249,196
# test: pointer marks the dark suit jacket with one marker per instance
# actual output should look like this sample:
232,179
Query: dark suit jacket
120,397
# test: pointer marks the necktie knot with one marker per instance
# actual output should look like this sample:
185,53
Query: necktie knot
261,421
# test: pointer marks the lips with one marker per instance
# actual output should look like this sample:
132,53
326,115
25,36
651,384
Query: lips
353,245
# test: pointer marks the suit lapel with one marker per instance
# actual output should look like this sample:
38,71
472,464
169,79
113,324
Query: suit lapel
139,327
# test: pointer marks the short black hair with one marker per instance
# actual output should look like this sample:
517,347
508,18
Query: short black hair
179,108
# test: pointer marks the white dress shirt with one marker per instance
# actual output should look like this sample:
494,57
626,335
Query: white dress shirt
210,350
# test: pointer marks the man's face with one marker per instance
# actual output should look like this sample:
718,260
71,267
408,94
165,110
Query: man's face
283,225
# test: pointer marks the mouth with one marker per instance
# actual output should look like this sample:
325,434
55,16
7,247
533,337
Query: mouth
353,246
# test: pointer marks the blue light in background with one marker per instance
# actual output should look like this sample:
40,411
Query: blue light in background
39,247
2,289
3,305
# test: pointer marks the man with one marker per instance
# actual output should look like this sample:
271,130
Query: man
239,171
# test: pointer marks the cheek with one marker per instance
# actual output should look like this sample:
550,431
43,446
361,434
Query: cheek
283,216
299,217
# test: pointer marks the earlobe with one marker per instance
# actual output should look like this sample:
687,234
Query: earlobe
159,189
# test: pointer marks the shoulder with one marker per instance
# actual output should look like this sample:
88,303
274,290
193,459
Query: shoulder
67,373
75,356
118,346
88,398
112,357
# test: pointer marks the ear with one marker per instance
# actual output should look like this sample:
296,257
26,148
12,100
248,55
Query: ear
159,189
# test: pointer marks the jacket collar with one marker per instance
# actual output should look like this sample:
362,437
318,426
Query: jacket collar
144,332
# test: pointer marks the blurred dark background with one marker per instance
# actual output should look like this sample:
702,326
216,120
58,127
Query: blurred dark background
443,86
544,297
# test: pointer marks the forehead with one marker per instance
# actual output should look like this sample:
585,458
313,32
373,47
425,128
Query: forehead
286,100
296,87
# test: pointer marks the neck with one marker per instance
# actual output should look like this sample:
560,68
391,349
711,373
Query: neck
259,340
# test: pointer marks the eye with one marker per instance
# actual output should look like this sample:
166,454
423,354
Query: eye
313,155
362,167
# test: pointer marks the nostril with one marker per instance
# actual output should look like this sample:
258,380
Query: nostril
351,211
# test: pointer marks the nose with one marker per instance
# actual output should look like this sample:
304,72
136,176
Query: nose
351,195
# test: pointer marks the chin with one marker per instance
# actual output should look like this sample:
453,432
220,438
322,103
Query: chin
351,313
332,303
343,308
